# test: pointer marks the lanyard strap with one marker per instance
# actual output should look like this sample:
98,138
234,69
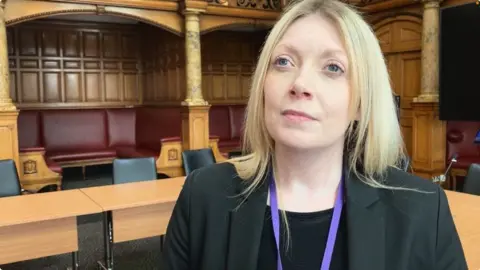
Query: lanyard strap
332,233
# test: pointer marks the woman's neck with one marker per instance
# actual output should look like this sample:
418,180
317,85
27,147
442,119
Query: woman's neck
307,180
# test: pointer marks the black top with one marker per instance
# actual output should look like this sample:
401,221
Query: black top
216,226
309,233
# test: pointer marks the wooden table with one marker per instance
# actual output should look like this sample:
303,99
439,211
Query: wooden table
466,214
40,225
135,210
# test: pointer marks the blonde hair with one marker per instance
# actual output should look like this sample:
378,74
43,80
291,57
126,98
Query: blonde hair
373,142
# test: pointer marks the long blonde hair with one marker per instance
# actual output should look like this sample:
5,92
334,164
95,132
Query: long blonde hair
373,141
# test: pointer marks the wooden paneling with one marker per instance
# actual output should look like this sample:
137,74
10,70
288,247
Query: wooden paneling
399,34
400,40
9,137
405,72
228,61
60,64
163,55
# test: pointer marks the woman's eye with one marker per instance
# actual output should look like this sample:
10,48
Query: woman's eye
282,61
334,68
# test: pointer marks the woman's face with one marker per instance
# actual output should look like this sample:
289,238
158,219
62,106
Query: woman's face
306,86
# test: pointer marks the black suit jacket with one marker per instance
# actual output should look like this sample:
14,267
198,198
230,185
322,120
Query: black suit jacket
387,230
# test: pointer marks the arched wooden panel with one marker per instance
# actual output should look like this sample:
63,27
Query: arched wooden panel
209,23
400,39
17,12
399,34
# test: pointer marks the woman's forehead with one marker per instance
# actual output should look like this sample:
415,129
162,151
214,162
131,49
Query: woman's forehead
312,34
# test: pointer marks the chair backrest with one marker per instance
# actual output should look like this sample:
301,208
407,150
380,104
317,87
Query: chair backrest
195,159
472,180
9,182
134,170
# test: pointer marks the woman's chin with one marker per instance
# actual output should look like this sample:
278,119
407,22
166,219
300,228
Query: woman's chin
295,140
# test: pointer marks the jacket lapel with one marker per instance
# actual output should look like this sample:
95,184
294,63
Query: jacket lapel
246,226
366,226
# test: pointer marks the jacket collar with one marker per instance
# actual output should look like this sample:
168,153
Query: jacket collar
365,226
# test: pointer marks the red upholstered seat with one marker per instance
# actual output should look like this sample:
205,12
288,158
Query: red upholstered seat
53,166
87,135
63,156
226,122
460,140
465,162
134,152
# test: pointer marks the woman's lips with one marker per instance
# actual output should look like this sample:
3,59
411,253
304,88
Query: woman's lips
297,116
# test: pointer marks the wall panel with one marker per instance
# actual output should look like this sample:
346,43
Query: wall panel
164,66
68,64
228,61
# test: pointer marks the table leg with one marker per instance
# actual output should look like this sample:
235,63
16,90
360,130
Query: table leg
108,238
75,260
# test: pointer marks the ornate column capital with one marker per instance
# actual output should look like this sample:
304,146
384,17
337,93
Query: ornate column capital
193,7
427,4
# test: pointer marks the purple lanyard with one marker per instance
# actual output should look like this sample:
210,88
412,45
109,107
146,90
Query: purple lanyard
332,233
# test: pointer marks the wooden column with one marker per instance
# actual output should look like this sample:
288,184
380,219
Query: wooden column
195,129
429,142
8,111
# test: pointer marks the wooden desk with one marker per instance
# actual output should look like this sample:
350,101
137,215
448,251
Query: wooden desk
135,210
40,225
466,214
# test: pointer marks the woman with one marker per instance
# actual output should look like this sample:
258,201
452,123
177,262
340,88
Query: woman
323,142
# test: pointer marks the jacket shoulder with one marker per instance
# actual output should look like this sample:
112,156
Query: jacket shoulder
412,192
399,178
214,181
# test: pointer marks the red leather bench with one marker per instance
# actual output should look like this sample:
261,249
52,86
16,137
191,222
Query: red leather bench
226,122
460,140
96,136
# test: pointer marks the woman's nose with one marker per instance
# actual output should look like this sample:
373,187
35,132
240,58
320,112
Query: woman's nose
298,92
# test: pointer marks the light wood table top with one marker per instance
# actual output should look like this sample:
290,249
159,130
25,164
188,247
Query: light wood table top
465,209
45,206
121,196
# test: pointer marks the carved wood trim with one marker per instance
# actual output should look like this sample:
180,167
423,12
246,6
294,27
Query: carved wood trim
242,12
379,6
452,3
210,23
17,12
146,4
397,15
410,17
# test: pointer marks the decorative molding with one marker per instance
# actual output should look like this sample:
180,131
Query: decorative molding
172,154
378,6
247,3
142,4
195,6
395,16
100,10
275,5
219,2
242,12
29,167
169,21
213,23
272,4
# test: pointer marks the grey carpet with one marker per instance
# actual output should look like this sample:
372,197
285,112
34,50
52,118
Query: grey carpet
132,255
